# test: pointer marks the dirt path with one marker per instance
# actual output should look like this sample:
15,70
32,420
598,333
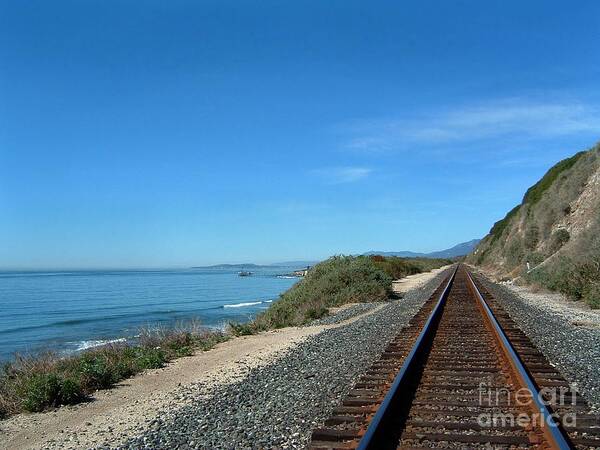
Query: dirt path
415,281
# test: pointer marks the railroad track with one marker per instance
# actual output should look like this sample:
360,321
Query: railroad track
460,375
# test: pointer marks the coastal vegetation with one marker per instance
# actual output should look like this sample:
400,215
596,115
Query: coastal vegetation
552,238
401,267
35,383
575,273
335,282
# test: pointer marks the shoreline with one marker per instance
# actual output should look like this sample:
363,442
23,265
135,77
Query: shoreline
130,407
66,311
112,410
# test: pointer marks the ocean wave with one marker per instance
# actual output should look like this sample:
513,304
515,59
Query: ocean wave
84,345
286,276
239,305
169,313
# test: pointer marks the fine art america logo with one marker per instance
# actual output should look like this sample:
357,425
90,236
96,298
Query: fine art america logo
498,400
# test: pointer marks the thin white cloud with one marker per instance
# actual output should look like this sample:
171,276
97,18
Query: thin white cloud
511,118
339,175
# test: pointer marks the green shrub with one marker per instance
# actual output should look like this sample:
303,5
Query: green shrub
315,313
94,371
498,228
591,295
339,280
515,252
181,344
242,329
334,282
44,390
71,392
532,237
124,368
209,340
43,381
149,358
535,258
579,280
40,391
559,238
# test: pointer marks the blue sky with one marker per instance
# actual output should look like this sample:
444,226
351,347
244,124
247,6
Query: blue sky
145,134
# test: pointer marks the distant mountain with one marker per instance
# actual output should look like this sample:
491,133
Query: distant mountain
461,249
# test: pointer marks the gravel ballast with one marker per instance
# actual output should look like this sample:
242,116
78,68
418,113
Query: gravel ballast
568,336
278,405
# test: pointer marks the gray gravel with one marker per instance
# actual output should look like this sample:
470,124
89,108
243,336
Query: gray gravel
573,349
278,405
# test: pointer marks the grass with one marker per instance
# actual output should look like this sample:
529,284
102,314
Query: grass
535,193
499,227
334,282
36,383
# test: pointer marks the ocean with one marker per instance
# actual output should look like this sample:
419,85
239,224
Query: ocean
68,312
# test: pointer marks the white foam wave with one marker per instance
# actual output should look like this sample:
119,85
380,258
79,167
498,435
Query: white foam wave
239,305
84,345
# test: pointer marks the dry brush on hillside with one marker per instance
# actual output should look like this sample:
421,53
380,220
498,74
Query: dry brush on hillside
552,237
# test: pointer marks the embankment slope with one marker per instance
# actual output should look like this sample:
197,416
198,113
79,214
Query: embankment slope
555,229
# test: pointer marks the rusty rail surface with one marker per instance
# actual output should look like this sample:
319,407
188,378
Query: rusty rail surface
460,375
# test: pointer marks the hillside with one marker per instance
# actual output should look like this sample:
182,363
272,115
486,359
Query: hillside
461,249
555,229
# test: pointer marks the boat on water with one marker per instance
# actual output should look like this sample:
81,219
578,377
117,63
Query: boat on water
244,273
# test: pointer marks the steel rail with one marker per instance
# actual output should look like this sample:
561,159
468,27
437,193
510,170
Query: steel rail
552,431
371,436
